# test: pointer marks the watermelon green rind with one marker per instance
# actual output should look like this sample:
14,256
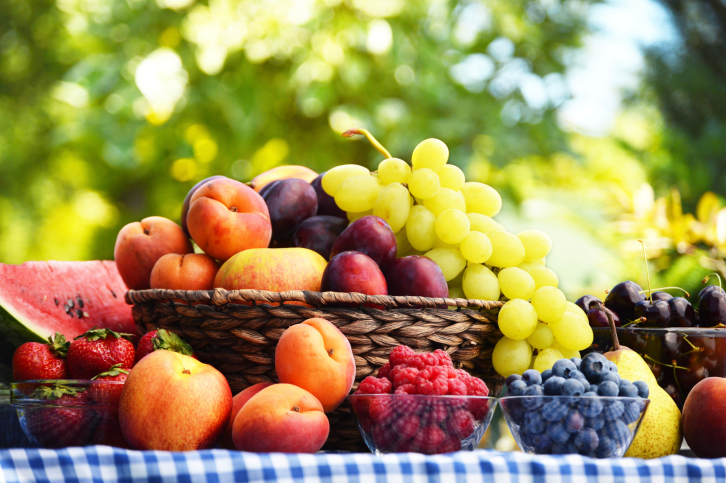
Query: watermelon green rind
36,299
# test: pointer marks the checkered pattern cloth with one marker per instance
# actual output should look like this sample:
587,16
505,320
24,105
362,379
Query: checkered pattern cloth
108,465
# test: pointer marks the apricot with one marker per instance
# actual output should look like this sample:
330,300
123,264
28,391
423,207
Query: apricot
140,244
187,199
239,400
316,356
282,172
281,418
192,271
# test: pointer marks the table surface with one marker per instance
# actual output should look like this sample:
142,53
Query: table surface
108,465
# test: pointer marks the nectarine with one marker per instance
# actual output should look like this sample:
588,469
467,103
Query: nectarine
193,271
239,400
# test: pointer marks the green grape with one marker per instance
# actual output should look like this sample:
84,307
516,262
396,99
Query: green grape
546,359
481,198
517,319
511,356
572,332
424,183
354,215
544,277
444,200
480,283
358,193
566,353
515,283
393,170
393,205
451,177
507,250
542,261
483,223
476,247
574,309
440,244
457,281
456,292
537,244
452,226
420,228
450,261
335,176
550,304
402,243
542,337
430,153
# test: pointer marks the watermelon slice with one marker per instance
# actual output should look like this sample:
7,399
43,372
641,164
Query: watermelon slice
38,299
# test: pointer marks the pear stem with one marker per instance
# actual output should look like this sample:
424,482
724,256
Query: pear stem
364,132
707,277
650,292
611,323
647,271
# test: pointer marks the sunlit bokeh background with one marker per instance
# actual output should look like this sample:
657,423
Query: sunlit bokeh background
600,122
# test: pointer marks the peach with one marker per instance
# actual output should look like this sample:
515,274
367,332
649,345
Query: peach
274,269
193,271
226,217
282,172
188,198
317,357
140,244
281,418
239,400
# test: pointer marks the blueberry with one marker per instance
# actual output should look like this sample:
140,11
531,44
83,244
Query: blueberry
593,388
559,448
612,366
627,389
590,406
594,423
574,421
631,413
558,433
610,376
542,443
577,361
608,389
533,422
562,368
536,401
553,386
643,390
516,411
612,410
580,377
555,410
618,431
517,388
572,387
532,377
593,366
587,440
512,378
546,375
606,448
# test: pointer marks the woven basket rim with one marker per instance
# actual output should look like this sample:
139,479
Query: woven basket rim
221,297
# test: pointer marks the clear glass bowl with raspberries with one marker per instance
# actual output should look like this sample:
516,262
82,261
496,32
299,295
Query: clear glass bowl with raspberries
420,403
577,407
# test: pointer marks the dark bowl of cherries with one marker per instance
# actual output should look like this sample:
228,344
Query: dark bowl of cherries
681,343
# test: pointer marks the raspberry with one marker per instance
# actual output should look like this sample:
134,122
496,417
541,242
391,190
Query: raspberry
444,359
405,406
399,355
374,385
461,423
450,445
429,439
381,409
407,426
384,436
432,381
384,370
476,387
457,387
421,361
403,374
462,374
406,389
437,412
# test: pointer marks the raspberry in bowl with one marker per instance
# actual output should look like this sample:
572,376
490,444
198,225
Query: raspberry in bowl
420,403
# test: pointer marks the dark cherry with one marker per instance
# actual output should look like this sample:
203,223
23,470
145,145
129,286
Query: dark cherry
682,313
622,299
326,203
672,390
587,302
598,318
661,296
695,372
712,308
707,289
657,313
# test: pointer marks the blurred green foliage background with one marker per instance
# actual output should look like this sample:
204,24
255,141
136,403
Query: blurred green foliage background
113,109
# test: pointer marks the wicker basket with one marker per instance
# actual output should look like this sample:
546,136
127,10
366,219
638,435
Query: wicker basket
237,332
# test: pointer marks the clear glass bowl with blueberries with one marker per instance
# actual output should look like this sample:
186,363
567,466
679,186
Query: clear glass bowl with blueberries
577,407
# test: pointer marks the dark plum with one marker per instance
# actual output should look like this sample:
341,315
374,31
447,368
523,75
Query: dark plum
353,272
370,235
656,314
318,233
185,205
712,308
587,302
598,318
326,203
682,313
416,275
622,299
290,201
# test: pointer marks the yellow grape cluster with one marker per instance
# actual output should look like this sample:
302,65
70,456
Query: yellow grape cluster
435,212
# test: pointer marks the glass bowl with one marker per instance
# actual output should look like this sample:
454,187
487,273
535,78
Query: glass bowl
402,423
599,427
63,413
678,357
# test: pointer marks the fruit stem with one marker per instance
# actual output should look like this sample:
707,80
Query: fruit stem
665,288
611,323
708,277
674,366
636,321
685,337
647,272
364,132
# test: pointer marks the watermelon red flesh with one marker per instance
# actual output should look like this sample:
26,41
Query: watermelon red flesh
38,299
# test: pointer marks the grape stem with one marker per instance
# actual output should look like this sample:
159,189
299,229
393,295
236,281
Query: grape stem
364,132
650,291
708,277
647,272
611,323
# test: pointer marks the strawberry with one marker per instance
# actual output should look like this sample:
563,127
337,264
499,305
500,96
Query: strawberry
63,419
164,340
108,393
34,360
97,351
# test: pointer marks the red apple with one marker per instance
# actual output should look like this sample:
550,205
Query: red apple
173,402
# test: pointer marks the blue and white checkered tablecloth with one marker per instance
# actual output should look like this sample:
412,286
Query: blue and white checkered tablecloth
108,465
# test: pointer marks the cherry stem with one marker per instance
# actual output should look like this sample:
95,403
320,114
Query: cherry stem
685,337
708,277
636,321
674,366
364,132
666,288
611,323
647,271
